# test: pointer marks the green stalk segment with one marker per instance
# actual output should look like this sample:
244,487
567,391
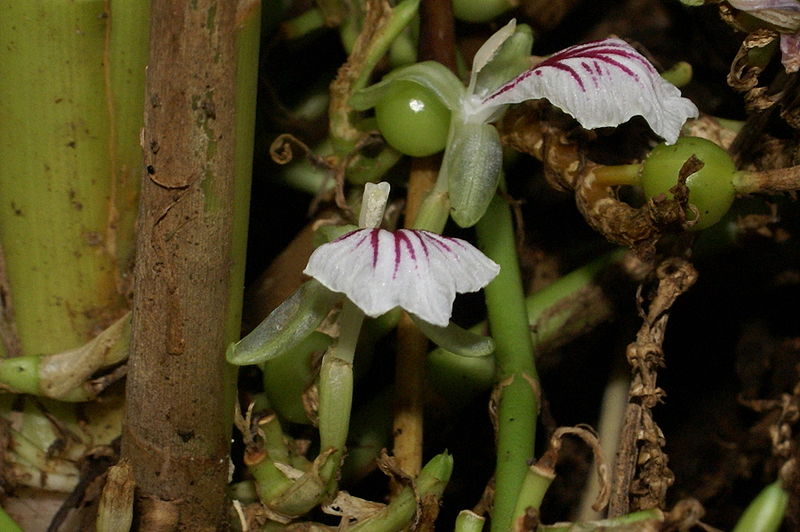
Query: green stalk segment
534,487
468,521
336,391
517,380
398,514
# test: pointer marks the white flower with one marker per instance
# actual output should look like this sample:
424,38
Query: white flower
418,271
601,84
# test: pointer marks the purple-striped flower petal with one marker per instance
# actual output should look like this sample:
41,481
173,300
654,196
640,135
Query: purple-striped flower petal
755,5
416,270
602,84
790,52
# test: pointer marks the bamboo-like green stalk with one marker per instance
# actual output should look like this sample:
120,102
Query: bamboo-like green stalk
71,99
248,31
71,94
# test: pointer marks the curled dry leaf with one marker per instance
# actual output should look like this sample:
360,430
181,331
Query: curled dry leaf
745,72
588,435
281,148
352,507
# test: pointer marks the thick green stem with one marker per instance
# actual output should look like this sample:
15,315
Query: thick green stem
71,99
517,380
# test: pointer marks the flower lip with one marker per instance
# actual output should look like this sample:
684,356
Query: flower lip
418,271
579,80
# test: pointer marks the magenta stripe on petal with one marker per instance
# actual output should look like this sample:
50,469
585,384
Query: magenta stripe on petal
374,242
401,239
601,84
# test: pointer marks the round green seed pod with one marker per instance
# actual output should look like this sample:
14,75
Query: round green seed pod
710,188
412,119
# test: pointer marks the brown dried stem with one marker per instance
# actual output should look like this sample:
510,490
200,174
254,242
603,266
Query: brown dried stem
768,181
641,477
180,390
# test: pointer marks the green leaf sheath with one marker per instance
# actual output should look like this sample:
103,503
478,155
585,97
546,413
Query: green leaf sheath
286,326
471,165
